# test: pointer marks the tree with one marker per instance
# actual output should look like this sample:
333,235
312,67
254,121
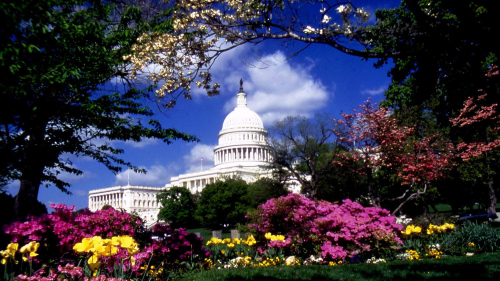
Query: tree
473,113
374,139
203,30
57,57
301,150
264,189
223,204
177,208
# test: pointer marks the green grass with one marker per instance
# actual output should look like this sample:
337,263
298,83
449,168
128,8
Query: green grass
206,234
443,208
480,267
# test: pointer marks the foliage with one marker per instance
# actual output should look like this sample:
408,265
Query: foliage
483,267
106,247
223,204
437,77
177,208
57,57
175,250
186,59
59,230
334,231
6,207
264,189
302,151
479,237
232,252
373,138
482,148
431,81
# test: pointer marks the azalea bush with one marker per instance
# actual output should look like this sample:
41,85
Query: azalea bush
102,244
58,231
332,231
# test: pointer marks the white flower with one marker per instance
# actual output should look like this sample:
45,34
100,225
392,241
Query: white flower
341,9
326,19
309,29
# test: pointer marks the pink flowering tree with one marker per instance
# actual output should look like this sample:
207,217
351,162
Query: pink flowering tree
319,227
483,117
373,139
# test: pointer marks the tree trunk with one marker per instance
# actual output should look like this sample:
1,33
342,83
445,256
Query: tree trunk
492,196
26,198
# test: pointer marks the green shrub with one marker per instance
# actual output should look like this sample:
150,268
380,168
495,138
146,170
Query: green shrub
472,237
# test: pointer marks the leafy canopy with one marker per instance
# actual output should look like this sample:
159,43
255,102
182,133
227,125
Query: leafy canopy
64,88
177,208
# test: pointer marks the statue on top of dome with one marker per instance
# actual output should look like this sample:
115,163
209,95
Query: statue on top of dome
241,85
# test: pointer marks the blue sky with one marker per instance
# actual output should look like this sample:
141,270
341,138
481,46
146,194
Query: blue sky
318,80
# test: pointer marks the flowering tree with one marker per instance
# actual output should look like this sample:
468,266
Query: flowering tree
374,138
203,30
473,113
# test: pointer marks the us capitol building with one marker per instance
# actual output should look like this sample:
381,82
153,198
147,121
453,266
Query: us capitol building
243,151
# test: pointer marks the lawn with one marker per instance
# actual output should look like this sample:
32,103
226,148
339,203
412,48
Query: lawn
206,234
480,267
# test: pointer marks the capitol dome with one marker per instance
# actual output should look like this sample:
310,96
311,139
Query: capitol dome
242,139
242,117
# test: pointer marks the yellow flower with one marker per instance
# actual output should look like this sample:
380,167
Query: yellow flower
30,248
12,248
94,263
215,241
250,241
268,235
230,245
84,246
413,254
471,244
133,251
10,252
236,241
277,238
128,243
223,252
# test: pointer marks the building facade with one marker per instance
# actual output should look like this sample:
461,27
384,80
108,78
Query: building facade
138,199
243,151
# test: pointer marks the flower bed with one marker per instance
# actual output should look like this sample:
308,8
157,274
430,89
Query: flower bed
288,231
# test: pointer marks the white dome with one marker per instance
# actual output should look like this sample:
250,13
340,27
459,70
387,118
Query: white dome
243,139
242,117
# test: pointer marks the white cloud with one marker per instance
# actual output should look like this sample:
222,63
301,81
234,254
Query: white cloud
193,159
144,142
80,193
157,175
71,178
297,93
374,92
